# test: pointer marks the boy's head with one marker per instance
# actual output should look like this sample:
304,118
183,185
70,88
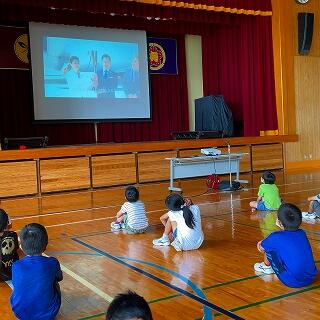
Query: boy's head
34,239
4,219
268,177
128,306
132,194
290,216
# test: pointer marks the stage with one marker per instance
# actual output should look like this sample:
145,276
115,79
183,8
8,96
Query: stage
61,168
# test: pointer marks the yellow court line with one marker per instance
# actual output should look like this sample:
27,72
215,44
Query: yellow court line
84,282
81,280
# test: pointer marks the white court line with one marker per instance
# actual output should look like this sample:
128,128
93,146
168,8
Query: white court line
86,283
106,207
148,212
68,211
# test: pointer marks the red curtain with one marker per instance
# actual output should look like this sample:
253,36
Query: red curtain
225,70
238,63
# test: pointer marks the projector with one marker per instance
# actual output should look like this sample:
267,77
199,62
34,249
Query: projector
211,151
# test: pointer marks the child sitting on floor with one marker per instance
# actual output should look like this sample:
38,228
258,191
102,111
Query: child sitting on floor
36,292
288,252
183,221
9,247
314,208
132,215
268,194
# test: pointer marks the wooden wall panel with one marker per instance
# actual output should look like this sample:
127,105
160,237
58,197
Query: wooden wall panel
267,157
307,83
296,79
113,170
18,178
154,166
245,163
64,174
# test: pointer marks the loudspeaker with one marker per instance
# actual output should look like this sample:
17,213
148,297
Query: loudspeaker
25,143
305,31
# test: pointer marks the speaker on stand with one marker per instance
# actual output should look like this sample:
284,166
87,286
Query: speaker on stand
305,31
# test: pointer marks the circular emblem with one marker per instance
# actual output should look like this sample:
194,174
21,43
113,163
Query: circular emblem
157,56
21,48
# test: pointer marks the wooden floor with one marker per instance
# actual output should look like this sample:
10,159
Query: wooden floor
209,282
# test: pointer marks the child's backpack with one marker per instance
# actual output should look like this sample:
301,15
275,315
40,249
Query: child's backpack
213,181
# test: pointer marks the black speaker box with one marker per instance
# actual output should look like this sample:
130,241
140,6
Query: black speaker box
30,142
305,31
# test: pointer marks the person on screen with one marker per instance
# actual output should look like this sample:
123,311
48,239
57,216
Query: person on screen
131,81
78,81
107,79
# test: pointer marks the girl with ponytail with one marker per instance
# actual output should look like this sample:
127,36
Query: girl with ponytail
183,221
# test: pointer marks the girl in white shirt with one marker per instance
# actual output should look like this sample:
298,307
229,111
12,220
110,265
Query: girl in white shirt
184,221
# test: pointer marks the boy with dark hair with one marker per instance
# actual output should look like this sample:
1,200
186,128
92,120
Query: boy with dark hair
36,292
288,253
268,194
129,306
132,215
9,247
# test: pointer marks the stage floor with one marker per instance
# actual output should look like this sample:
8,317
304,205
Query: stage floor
98,263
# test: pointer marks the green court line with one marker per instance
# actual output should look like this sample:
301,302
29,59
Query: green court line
94,316
246,306
179,295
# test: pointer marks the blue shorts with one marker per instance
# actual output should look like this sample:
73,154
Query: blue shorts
174,233
262,207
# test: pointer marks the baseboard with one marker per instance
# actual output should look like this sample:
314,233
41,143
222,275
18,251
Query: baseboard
307,164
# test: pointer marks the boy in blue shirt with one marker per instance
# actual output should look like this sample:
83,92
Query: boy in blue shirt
288,253
36,292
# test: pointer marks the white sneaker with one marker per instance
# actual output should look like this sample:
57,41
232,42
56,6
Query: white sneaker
309,215
161,242
115,225
262,268
176,244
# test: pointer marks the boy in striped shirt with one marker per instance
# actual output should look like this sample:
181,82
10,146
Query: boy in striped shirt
132,215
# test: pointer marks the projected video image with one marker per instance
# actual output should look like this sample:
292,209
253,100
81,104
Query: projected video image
79,68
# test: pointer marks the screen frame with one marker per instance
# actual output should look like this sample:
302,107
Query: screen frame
88,120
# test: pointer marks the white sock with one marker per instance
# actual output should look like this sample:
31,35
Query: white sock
164,236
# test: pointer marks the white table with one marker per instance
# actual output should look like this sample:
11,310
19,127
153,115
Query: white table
204,165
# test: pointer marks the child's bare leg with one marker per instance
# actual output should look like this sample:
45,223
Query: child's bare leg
168,227
120,219
266,261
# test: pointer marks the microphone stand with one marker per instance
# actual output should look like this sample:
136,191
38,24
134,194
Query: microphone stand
230,174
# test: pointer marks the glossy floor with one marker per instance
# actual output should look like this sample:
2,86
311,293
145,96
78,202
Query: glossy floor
215,281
